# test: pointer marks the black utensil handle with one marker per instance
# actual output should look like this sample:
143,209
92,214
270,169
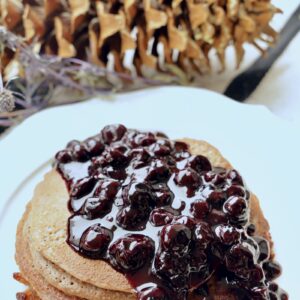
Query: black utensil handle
242,86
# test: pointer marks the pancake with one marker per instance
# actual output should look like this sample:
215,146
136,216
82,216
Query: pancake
28,270
48,280
54,271
49,234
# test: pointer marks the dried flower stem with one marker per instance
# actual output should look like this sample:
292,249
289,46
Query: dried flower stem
44,74
6,123
1,79
18,113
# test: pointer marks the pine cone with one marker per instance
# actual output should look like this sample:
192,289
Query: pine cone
139,37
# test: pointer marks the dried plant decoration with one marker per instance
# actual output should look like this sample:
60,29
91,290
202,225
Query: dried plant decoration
101,31
31,82
7,101
58,51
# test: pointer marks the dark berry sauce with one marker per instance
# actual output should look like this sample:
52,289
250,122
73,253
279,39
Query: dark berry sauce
170,222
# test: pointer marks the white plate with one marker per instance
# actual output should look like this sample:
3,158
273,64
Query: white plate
261,146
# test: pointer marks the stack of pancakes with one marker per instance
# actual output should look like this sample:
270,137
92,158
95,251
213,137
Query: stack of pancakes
52,270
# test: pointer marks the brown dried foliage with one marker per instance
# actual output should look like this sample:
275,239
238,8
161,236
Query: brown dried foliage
162,35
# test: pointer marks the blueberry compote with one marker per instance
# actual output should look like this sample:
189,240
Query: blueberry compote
175,226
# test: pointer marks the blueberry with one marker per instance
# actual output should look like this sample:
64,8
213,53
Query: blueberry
117,158
235,190
272,270
216,198
154,293
209,177
161,216
117,174
120,146
273,296
203,235
180,156
273,287
180,151
140,153
131,252
240,257
217,217
64,156
251,228
109,188
139,196
73,143
100,161
113,133
175,237
259,293
235,178
158,171
264,248
97,207
199,163
185,220
133,219
227,234
200,209
80,153
180,146
163,195
216,177
198,262
144,139
218,250
94,146
140,157
83,187
256,274
188,177
162,147
236,207
95,241
180,282
284,296
173,268
161,135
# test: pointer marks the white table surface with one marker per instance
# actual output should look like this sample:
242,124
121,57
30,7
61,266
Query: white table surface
257,149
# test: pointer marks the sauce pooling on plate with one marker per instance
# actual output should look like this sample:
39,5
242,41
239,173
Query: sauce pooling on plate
168,220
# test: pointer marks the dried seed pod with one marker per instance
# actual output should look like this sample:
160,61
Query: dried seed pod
173,37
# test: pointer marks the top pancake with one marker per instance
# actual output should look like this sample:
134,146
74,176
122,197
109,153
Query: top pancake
47,227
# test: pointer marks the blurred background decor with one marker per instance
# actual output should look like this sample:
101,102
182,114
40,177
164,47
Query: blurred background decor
57,51
143,36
